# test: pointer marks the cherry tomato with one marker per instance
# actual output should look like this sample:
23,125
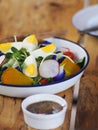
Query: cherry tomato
44,81
70,54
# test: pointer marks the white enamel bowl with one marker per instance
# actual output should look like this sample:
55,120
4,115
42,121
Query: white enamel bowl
86,18
53,88
44,121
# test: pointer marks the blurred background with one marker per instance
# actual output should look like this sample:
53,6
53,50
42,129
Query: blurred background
36,16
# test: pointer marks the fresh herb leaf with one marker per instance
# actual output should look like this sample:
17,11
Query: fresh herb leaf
39,59
19,55
81,62
36,80
14,50
9,55
49,57
49,80
16,55
24,52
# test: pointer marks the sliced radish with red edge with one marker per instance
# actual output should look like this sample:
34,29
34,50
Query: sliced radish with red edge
2,58
49,68
64,49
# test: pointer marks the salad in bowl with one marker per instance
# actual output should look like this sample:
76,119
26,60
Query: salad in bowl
40,65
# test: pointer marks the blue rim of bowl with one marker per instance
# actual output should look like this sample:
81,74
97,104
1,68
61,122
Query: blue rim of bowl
55,82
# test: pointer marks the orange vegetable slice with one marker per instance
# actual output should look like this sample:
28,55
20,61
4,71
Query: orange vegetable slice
70,67
12,76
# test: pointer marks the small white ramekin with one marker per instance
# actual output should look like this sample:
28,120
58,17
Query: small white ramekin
44,121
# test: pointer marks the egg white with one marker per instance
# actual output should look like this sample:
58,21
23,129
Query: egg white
6,47
30,43
44,51
30,66
17,45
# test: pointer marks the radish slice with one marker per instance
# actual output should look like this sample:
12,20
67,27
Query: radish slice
64,49
2,58
49,68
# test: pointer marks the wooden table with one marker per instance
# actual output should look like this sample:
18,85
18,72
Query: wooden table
87,113
26,17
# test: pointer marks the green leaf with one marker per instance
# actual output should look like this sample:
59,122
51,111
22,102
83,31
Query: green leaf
39,59
13,49
16,55
36,80
81,62
9,55
24,52
49,57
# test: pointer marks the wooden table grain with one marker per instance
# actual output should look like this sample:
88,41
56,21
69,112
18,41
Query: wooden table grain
26,17
87,112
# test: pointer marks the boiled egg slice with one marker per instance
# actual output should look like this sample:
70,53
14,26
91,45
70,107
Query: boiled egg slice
44,51
5,47
30,42
17,45
30,66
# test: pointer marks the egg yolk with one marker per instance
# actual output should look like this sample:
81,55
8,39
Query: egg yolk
31,70
5,46
32,39
49,48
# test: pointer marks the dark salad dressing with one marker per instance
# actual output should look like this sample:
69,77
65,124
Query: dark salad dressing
44,107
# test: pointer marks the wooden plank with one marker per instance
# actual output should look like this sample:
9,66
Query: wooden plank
87,113
33,16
